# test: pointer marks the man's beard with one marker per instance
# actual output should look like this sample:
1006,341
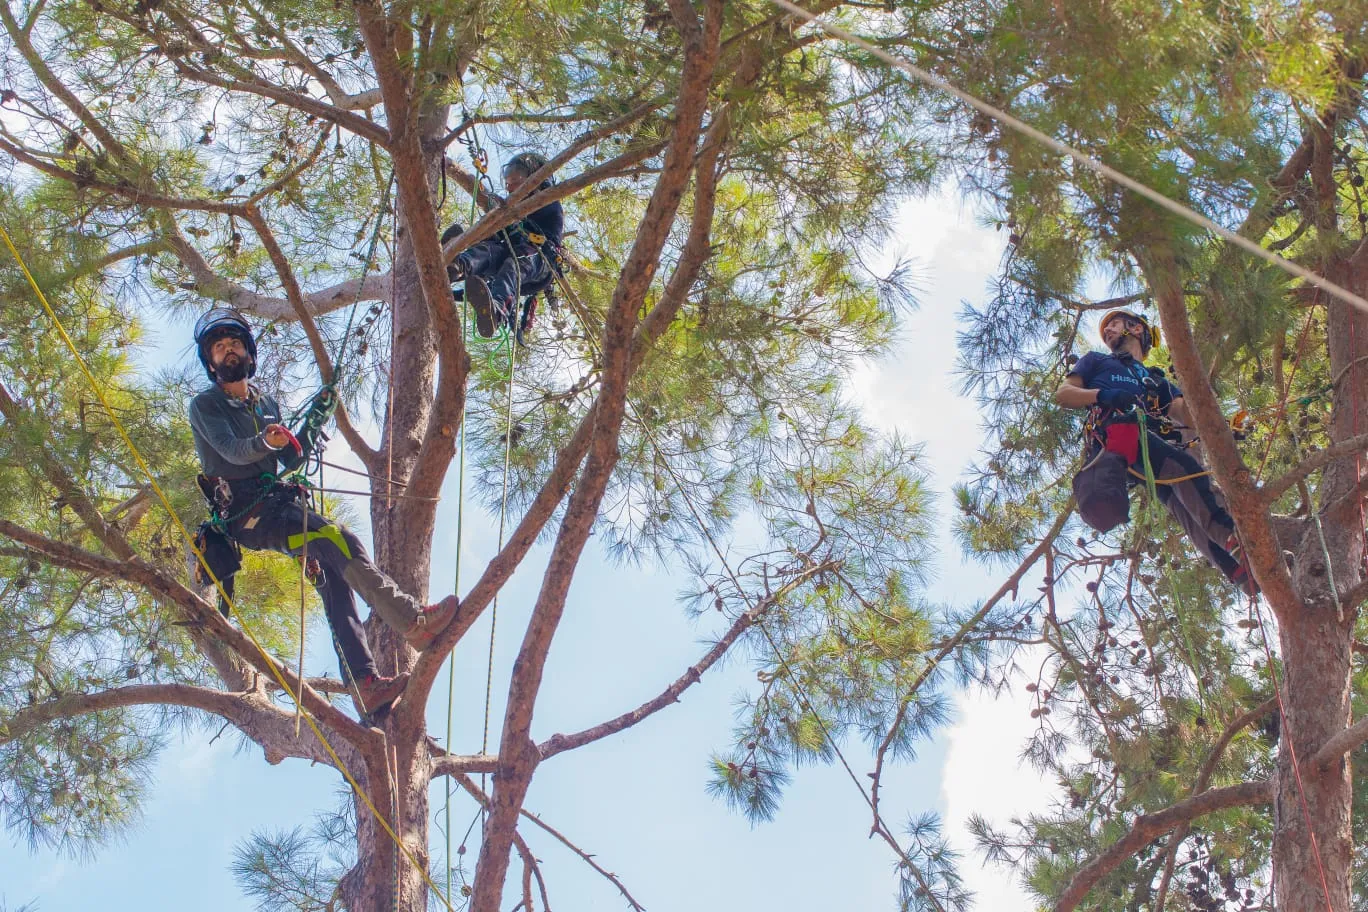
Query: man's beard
232,369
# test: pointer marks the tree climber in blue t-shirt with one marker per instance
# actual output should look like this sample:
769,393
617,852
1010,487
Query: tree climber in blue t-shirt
1114,386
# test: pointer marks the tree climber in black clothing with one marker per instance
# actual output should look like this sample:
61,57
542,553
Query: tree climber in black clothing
516,262
1113,386
242,449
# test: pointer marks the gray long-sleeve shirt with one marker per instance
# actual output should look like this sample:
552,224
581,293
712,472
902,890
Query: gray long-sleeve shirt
229,435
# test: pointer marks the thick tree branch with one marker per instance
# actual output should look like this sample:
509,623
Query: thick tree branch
1248,509
1334,749
250,712
1314,461
455,765
438,446
208,284
368,456
518,756
1149,827
194,609
651,328
1356,595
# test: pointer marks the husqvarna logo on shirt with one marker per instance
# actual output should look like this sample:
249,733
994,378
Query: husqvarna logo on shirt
1124,378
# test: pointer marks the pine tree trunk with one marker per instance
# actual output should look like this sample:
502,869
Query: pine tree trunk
1316,657
1317,649
383,879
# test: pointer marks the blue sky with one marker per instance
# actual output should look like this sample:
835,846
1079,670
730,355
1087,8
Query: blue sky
637,801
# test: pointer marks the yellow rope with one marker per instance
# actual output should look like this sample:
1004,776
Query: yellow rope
1169,481
190,541
303,619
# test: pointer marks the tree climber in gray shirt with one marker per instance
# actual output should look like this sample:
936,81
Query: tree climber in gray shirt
242,447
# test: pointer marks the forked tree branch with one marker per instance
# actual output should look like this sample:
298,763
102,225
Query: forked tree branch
557,484
195,610
1149,827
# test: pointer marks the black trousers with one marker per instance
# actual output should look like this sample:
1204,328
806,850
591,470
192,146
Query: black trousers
509,273
1195,503
278,524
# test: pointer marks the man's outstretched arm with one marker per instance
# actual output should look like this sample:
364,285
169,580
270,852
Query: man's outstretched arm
1073,394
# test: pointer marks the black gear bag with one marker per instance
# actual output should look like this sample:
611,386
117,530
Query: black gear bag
1100,491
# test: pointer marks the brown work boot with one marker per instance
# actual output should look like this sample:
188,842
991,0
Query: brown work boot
377,693
431,621
477,293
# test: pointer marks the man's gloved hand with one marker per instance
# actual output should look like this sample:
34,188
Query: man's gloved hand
1117,398
277,436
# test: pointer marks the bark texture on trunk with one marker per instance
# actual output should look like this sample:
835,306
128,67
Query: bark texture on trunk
1315,636
397,778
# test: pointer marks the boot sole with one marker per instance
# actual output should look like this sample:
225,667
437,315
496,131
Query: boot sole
477,293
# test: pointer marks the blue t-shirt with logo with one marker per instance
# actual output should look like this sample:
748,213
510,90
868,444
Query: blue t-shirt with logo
1104,371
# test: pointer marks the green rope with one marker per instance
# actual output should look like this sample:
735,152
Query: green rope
1181,610
456,587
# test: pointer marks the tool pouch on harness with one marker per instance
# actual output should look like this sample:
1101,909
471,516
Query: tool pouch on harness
224,557
1100,491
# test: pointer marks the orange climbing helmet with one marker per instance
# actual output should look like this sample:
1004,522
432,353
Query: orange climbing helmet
1148,335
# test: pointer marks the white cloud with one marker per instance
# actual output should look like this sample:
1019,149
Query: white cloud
915,391
984,776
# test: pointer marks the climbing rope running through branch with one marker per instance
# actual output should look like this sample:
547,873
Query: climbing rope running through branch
1081,158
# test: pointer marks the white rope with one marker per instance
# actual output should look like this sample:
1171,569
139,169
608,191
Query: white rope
1083,159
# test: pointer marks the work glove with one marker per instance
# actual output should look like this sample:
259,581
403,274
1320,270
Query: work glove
1117,399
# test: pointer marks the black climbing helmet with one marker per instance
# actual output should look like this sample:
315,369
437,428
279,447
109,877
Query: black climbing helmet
215,325
528,163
